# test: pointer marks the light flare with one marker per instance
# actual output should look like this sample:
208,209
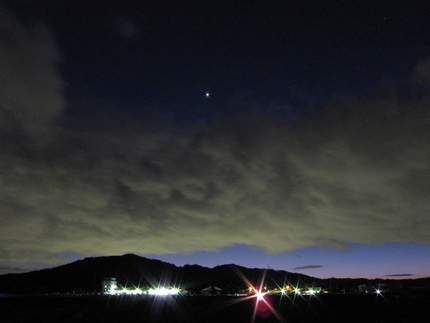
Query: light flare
262,305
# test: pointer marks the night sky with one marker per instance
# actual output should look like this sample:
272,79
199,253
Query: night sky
290,135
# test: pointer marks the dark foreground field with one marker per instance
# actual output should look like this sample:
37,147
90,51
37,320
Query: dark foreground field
323,308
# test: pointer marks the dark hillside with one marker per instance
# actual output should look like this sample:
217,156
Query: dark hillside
86,276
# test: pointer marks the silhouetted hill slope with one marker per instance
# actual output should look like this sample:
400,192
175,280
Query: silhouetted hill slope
130,270
85,276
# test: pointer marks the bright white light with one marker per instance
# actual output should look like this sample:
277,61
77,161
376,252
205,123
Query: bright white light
259,294
163,291
207,94
378,291
126,291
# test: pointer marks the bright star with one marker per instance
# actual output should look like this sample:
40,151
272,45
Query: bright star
207,94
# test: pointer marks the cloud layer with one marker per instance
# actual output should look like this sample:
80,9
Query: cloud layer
31,89
308,267
106,183
399,275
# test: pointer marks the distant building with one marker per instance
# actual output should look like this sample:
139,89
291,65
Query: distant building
363,288
109,286
211,291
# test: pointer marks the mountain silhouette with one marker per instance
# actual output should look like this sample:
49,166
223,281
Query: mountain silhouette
86,276
131,271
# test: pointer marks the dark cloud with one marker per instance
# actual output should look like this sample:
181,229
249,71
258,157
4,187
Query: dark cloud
308,267
12,270
126,28
357,172
422,73
399,275
31,88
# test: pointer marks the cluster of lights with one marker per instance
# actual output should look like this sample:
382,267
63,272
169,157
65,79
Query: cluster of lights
163,291
297,291
137,291
284,291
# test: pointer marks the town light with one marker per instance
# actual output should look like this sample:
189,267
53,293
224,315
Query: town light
259,294
163,291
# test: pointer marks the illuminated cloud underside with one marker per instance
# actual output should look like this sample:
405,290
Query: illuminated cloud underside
358,173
